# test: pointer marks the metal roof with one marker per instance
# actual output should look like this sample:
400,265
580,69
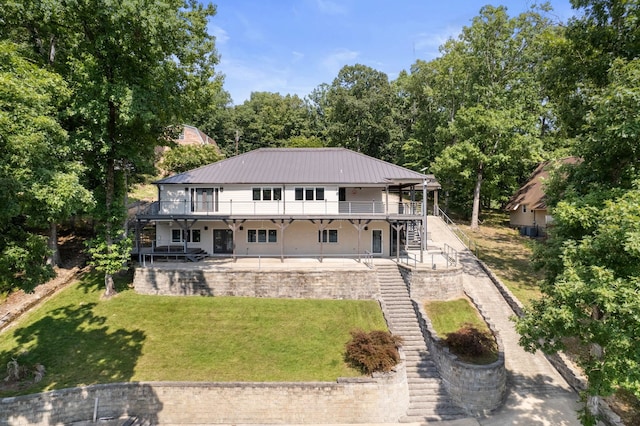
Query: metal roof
301,165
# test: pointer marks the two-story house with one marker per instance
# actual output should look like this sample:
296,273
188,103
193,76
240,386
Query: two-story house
306,202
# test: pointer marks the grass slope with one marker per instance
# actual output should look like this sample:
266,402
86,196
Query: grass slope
81,339
508,254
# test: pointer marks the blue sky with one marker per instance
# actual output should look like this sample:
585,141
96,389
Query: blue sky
293,46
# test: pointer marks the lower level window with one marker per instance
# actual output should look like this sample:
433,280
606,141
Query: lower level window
192,235
328,236
262,236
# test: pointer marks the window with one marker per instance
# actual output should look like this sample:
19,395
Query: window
262,236
192,236
328,236
524,208
309,194
267,194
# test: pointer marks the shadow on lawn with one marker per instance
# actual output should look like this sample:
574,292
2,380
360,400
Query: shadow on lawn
76,346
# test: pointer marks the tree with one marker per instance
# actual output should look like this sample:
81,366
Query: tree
132,65
39,181
594,297
359,105
484,105
268,120
591,256
182,158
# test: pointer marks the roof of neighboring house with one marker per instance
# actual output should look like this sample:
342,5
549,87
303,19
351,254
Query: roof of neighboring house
531,194
192,134
304,166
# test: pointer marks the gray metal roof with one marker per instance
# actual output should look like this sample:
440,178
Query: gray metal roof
301,165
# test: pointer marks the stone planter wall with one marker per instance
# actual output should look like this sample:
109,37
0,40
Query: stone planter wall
478,389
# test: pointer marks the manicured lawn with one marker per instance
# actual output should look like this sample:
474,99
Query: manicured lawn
81,339
448,316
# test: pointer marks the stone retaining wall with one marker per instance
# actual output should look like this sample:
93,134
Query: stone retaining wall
322,284
381,400
433,284
478,389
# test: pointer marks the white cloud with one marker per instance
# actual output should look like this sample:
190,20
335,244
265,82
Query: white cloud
219,33
297,56
426,45
339,58
329,7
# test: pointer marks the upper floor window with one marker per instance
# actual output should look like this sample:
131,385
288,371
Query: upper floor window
309,194
267,194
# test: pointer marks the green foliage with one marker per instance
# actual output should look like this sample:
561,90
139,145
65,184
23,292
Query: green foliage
186,157
268,120
359,108
482,105
375,351
592,295
112,257
22,259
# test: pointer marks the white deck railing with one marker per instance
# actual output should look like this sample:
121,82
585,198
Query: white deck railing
270,208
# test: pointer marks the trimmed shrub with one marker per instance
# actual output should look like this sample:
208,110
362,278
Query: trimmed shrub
375,351
470,342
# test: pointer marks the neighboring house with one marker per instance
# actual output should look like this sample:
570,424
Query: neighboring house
290,202
528,207
193,136
189,135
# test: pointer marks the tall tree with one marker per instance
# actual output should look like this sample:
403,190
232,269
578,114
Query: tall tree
38,176
131,62
591,256
359,108
485,105
269,120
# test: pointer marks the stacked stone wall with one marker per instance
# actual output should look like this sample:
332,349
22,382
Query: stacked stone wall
321,284
432,284
372,400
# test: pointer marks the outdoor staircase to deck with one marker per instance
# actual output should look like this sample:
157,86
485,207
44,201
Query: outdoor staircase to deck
428,400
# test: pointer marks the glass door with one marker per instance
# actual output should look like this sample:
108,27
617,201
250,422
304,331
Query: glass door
376,241
223,241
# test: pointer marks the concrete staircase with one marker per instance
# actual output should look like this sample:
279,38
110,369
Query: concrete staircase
428,400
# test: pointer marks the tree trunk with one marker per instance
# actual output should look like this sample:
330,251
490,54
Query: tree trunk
475,212
52,243
109,286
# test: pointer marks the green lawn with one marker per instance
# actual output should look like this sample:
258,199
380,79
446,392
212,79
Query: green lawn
81,339
448,316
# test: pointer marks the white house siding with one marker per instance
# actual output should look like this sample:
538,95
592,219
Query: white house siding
529,218
300,238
